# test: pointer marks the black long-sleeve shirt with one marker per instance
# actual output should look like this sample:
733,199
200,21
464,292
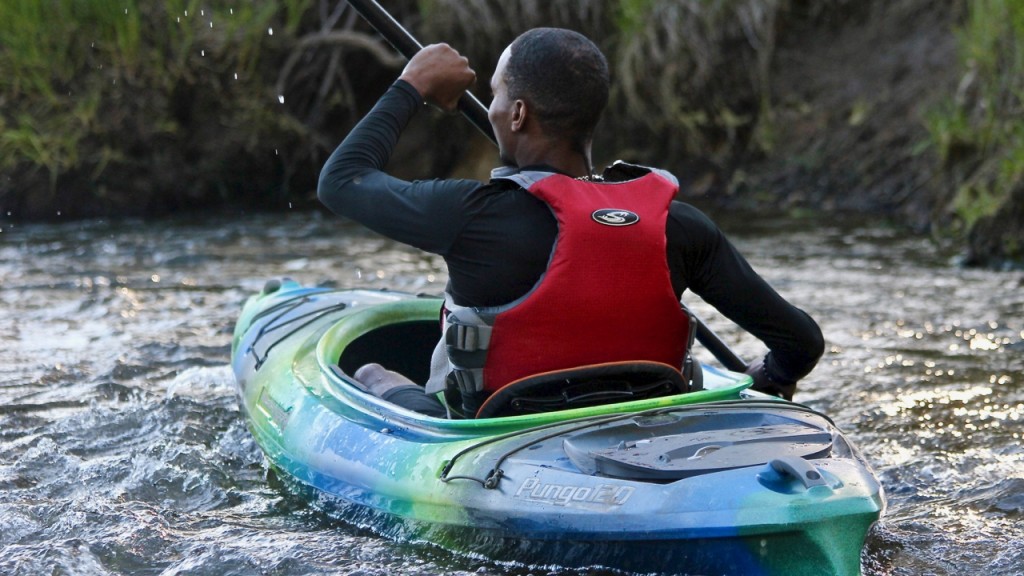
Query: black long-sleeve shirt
497,238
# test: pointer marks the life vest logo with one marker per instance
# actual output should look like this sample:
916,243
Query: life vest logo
615,217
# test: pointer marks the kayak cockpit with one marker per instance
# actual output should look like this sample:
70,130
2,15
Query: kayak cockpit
404,347
400,334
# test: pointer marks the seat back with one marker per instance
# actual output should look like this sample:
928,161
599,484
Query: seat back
585,386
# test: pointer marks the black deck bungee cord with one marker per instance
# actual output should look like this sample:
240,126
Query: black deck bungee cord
284,308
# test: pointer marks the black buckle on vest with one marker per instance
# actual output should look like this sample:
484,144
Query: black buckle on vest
466,345
466,381
467,337
464,392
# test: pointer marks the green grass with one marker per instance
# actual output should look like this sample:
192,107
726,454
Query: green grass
91,85
60,58
982,126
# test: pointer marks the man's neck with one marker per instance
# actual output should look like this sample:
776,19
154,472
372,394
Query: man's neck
560,156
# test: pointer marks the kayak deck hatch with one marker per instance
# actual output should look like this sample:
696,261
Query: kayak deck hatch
704,440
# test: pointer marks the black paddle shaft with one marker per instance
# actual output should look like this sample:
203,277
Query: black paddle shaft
408,46
718,348
476,113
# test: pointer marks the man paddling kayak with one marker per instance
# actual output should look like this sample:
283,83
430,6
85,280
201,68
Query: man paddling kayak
551,266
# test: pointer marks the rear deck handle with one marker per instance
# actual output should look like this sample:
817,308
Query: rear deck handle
800,469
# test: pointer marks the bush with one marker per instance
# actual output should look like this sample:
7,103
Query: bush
979,132
125,106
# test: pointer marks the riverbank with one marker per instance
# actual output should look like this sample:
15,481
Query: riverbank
895,113
905,109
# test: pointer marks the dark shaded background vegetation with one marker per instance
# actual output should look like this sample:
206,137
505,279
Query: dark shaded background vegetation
910,109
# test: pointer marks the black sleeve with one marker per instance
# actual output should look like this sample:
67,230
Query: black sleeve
426,214
702,259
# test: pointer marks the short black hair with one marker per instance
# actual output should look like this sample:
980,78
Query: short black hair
564,77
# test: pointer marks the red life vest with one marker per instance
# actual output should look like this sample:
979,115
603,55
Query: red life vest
606,295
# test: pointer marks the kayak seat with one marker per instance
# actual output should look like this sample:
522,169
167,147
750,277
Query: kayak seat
584,386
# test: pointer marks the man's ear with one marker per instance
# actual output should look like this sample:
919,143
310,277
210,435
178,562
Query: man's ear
520,112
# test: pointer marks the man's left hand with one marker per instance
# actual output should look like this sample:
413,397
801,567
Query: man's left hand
440,74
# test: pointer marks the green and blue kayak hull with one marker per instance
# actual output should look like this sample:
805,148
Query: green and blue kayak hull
553,488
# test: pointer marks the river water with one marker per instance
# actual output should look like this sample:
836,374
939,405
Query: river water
122,450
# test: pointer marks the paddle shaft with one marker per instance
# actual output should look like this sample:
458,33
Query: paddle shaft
718,348
408,46
476,113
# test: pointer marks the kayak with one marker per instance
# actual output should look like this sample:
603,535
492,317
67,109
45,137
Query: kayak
720,480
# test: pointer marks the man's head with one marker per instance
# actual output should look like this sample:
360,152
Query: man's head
560,77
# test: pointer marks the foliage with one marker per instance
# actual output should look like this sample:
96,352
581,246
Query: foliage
981,127
154,106
675,79
133,107
689,77
118,99
40,58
